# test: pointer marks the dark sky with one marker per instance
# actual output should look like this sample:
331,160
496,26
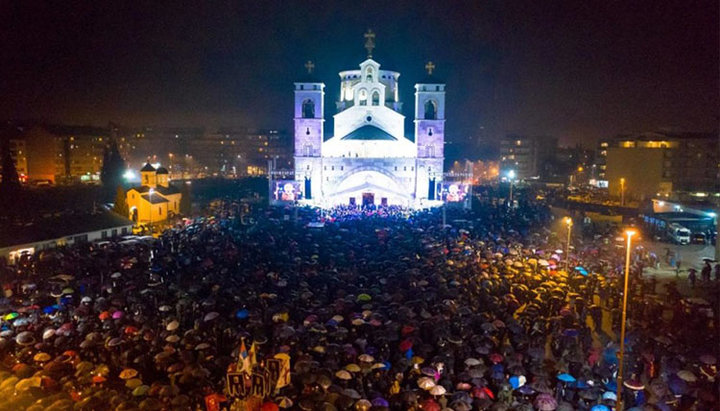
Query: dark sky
579,70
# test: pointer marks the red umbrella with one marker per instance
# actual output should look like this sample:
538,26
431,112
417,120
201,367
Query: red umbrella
430,405
406,345
496,358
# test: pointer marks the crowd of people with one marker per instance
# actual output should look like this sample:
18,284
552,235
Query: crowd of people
384,309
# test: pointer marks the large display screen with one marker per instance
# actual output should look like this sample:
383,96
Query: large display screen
452,192
287,190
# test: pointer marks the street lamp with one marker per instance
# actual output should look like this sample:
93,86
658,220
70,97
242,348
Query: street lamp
629,233
622,191
511,177
569,223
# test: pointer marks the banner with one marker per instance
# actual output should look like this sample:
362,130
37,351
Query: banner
263,381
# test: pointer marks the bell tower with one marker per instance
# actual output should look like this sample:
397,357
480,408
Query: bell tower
429,132
309,118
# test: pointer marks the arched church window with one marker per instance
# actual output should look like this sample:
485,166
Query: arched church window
376,98
430,110
363,97
308,109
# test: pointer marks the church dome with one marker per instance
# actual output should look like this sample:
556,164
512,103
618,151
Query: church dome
147,167
162,170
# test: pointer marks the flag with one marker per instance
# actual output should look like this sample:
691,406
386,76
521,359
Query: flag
253,355
212,401
244,359
284,378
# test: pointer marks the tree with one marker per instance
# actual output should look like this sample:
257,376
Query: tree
10,180
121,206
113,168
185,200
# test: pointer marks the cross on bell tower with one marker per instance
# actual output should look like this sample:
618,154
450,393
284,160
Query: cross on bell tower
430,67
369,42
309,66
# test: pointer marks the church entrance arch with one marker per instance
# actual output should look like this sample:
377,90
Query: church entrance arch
368,184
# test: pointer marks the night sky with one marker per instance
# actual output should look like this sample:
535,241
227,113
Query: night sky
578,70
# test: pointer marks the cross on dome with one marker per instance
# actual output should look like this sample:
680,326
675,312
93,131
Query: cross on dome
369,42
309,66
430,67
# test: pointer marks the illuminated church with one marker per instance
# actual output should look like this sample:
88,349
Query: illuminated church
369,159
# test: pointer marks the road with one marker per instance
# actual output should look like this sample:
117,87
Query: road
691,256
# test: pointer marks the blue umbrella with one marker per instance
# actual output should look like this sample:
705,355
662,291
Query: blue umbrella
564,377
570,332
581,270
515,381
600,407
611,386
51,309
242,314
579,384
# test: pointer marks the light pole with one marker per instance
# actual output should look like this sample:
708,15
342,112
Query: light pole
569,223
622,191
511,177
629,234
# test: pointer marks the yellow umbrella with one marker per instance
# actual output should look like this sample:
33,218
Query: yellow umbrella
343,375
426,383
9,382
352,367
128,373
133,383
41,357
366,358
27,383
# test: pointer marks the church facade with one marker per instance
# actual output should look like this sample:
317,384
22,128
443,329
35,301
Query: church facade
369,159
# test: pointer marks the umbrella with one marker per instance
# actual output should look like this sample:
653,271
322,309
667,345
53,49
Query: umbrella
471,362
600,407
128,373
140,391
430,405
545,402
437,390
609,396
380,402
564,377
363,405
634,384
352,367
172,325
707,359
687,376
366,358
343,375
426,383
211,316
496,358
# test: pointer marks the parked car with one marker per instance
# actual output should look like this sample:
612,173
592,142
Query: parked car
698,238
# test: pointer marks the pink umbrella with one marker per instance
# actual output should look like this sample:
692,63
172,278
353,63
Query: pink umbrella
545,402
117,315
